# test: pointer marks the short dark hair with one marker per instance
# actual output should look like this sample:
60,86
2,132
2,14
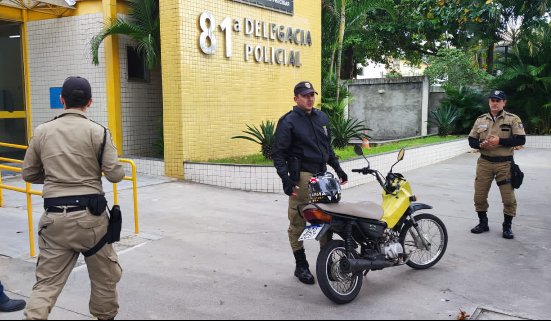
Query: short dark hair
77,99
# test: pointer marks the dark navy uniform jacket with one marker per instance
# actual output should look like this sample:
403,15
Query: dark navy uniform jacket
307,138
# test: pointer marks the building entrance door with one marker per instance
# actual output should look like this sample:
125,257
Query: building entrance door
12,90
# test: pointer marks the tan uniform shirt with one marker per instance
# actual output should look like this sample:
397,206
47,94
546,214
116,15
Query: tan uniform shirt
506,125
63,155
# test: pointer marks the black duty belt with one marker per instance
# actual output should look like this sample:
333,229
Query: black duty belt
69,210
96,203
498,159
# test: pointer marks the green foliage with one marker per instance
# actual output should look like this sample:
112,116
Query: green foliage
343,130
526,80
265,137
445,118
143,27
469,103
351,49
346,153
393,74
453,68
329,104
423,28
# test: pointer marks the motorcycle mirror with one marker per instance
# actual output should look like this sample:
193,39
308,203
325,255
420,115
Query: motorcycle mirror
358,150
401,154
400,157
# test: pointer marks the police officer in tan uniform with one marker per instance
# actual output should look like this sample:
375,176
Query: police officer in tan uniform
302,148
65,155
496,134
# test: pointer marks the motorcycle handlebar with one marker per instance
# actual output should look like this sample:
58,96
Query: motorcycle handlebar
367,170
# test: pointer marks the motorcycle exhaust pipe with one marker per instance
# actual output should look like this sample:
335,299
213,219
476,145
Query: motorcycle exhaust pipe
358,265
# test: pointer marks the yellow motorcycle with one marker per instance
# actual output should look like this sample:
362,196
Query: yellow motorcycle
372,237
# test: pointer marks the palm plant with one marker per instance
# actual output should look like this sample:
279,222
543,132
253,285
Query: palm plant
468,102
527,79
348,13
345,129
444,118
265,137
143,27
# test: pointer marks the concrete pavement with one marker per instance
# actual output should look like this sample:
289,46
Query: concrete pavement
224,254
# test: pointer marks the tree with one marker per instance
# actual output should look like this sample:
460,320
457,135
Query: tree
453,68
143,27
348,14
423,28
527,79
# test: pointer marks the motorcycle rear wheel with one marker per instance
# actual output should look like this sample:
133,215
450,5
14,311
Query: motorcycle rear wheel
337,286
434,232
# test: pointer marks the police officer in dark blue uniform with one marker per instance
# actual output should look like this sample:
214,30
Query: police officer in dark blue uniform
303,148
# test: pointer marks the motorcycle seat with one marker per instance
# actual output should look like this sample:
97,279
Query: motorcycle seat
368,210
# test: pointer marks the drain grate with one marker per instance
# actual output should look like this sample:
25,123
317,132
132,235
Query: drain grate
493,314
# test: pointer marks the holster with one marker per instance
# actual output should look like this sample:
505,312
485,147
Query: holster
113,231
96,203
294,169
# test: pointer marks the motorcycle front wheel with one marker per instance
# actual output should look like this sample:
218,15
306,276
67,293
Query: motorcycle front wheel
338,286
433,231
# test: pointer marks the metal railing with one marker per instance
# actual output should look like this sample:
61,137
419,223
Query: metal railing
30,192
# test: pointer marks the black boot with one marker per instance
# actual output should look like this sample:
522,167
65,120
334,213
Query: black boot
483,225
507,231
302,272
8,305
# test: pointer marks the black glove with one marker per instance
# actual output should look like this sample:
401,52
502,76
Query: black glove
342,175
288,185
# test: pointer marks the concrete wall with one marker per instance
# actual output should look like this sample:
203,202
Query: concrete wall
436,95
392,108
59,48
265,179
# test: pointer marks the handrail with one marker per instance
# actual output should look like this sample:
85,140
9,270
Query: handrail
29,192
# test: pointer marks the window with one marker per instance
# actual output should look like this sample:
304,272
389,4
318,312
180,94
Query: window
137,68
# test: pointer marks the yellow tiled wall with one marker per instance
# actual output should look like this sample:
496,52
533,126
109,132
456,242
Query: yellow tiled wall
209,98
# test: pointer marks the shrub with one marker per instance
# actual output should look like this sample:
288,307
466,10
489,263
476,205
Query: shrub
444,118
265,137
343,130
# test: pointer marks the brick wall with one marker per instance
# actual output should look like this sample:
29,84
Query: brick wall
209,98
59,48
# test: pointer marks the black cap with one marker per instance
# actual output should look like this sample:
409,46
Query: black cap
497,94
304,88
76,88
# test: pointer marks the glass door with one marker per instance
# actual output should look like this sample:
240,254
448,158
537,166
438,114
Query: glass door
12,90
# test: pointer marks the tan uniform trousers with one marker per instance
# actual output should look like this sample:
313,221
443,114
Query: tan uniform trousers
62,237
486,172
297,223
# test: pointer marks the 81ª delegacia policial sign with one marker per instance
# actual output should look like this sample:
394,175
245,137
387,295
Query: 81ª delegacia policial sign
285,6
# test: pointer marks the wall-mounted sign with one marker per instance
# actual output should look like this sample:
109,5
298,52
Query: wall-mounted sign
285,6
55,103
258,29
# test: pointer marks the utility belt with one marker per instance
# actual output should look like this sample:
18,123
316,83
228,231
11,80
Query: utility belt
498,159
517,176
96,205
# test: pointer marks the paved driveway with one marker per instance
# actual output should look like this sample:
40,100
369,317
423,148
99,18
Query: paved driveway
224,254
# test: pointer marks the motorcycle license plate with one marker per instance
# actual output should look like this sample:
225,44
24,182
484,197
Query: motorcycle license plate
311,232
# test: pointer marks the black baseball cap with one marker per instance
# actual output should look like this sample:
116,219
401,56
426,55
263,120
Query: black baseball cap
304,88
497,94
76,88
